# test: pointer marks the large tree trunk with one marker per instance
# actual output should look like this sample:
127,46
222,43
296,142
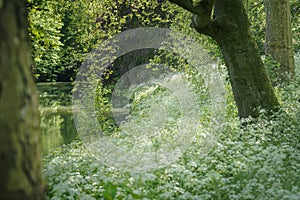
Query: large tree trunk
279,36
251,86
20,160
230,28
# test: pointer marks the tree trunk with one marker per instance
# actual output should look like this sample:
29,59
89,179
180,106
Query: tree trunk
279,36
20,168
230,28
251,86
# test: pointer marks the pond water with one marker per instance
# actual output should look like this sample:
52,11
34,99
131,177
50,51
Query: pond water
56,117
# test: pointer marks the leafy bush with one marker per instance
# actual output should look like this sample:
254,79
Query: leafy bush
45,32
63,32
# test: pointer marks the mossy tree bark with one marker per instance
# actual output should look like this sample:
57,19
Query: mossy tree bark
279,36
230,28
20,168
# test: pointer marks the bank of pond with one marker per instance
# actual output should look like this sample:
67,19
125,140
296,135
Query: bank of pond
56,117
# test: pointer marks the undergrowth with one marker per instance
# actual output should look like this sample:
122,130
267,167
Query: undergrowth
258,161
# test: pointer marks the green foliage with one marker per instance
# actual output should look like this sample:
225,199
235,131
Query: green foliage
45,32
272,68
257,161
257,18
181,23
295,10
54,94
110,191
63,32
81,32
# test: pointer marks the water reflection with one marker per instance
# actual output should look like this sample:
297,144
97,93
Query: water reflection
56,118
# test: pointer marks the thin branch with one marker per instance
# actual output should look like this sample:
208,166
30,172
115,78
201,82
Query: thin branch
201,10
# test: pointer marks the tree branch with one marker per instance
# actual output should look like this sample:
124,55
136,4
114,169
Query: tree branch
201,10
187,5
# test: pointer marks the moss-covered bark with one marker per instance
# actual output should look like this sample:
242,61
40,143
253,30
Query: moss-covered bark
279,36
20,160
251,86
230,28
